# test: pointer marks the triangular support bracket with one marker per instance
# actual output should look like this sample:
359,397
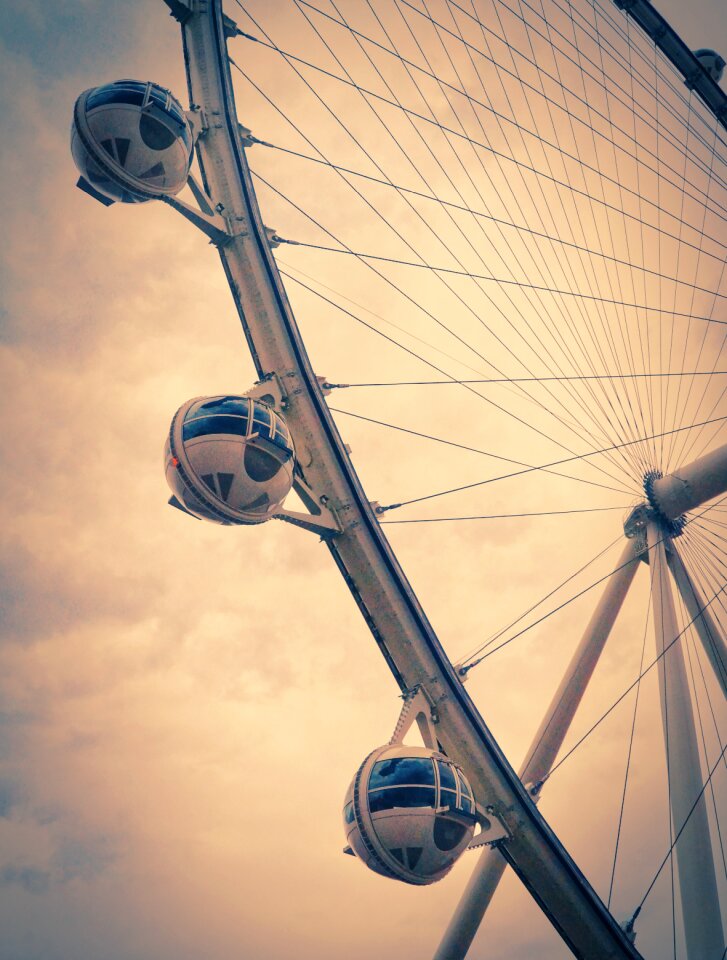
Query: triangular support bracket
492,830
418,709
211,224
269,388
325,525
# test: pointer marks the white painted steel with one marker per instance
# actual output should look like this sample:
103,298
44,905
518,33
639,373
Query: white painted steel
686,489
543,750
553,729
701,616
361,551
691,485
695,863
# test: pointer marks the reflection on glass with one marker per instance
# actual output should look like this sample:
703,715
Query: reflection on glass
402,770
448,798
204,426
464,784
446,776
447,833
234,405
401,797
261,414
141,95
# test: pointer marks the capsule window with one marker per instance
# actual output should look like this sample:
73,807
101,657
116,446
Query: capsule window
132,94
261,413
447,833
237,406
282,437
118,148
153,173
413,855
463,784
348,814
446,776
156,135
204,426
394,797
257,505
260,466
387,773
448,798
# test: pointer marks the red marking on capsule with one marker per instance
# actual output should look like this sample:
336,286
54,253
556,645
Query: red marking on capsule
175,462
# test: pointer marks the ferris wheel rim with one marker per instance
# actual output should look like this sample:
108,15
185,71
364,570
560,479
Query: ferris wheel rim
325,421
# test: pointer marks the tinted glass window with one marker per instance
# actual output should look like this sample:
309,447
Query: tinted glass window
401,797
206,425
259,465
387,773
235,405
261,414
464,785
168,104
156,135
447,833
348,812
466,805
448,798
282,437
446,776
128,91
413,855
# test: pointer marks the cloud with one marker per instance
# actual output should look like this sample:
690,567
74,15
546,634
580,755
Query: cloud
30,879
83,858
41,597
11,795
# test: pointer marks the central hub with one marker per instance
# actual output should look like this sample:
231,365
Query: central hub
673,527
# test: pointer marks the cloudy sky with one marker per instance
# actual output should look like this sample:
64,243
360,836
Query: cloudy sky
182,706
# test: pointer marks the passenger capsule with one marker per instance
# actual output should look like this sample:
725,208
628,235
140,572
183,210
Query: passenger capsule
712,62
409,813
229,459
131,142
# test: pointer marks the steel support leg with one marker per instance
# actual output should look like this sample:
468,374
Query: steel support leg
697,880
701,617
542,753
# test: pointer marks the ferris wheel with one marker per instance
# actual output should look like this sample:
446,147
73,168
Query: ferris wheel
537,198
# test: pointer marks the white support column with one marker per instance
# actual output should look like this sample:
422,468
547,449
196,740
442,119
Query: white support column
543,751
691,485
697,880
701,617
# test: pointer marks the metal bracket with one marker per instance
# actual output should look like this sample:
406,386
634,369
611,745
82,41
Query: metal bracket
418,708
181,10
203,199
246,137
492,830
269,388
635,529
324,524
273,239
229,26
197,119
212,225
324,385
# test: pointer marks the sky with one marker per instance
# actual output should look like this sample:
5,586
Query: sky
182,706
